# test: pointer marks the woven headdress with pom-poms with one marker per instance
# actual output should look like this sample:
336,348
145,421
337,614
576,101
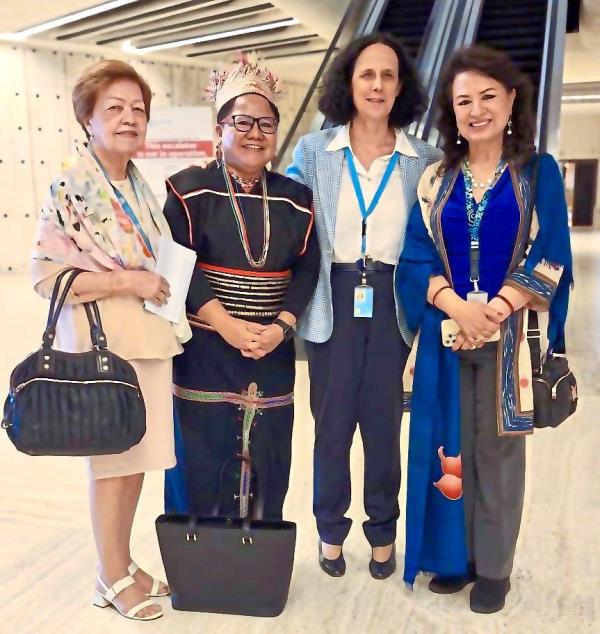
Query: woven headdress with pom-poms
246,77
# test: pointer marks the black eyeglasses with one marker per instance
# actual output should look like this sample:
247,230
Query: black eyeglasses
245,123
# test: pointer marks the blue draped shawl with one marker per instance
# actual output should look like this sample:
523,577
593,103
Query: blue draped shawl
435,529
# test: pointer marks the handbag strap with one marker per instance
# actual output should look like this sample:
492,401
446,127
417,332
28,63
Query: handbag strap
533,328
96,330
56,305
55,292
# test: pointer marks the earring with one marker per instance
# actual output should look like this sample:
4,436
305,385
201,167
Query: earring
458,139
509,131
219,154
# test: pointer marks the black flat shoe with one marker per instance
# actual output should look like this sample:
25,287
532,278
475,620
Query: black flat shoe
333,567
488,595
451,585
383,569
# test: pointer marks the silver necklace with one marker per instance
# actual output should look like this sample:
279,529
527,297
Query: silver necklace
490,182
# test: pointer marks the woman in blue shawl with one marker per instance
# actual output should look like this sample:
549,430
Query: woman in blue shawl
466,258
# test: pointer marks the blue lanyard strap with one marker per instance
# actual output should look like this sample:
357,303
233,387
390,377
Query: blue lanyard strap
125,205
131,214
364,211
475,213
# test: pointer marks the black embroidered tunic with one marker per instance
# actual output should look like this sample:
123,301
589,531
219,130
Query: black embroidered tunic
228,405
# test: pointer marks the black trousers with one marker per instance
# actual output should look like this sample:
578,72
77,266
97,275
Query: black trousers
356,378
493,469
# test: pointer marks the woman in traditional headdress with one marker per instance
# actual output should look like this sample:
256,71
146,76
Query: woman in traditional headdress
258,264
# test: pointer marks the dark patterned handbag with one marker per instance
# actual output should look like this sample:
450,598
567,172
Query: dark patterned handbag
554,385
74,403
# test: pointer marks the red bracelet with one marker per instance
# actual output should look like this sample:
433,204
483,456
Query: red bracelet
512,308
439,290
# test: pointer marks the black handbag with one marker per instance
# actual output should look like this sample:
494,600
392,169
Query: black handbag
227,565
74,404
554,384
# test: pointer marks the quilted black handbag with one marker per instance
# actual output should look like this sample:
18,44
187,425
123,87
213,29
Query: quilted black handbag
227,565
74,404
554,385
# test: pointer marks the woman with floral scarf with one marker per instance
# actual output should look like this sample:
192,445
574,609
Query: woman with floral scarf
102,217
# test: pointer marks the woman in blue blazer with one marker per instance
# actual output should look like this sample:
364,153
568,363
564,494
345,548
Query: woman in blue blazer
364,175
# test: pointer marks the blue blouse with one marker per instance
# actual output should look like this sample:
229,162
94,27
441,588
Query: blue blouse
497,236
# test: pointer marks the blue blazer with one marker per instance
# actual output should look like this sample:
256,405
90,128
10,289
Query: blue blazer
321,170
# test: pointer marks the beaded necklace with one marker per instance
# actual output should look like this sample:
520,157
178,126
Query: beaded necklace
476,210
246,183
241,223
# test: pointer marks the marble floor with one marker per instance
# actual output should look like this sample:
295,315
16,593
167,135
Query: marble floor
47,555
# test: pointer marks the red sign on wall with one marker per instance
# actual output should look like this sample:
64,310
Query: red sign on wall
176,149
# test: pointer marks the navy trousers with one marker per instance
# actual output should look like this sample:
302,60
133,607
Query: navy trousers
356,378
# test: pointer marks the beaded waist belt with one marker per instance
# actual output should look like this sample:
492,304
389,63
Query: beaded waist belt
248,294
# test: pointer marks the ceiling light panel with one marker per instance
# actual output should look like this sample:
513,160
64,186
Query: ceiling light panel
215,36
132,17
180,30
72,17
252,42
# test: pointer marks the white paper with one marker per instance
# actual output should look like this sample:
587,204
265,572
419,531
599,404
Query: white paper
176,264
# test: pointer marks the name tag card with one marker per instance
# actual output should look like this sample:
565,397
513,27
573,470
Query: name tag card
363,301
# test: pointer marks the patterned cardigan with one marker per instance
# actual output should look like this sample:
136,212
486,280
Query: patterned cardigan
321,170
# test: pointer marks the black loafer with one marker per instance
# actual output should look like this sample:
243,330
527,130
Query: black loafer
451,585
383,569
333,567
488,595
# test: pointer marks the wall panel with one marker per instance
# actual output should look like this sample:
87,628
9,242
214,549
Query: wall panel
38,129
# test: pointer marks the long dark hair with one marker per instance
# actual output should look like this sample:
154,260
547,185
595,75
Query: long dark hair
490,62
335,100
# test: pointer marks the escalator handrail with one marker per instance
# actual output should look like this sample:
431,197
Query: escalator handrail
550,91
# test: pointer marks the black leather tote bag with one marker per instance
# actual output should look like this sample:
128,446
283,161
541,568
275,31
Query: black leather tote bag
227,565
74,404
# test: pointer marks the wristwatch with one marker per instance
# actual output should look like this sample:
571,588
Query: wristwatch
288,331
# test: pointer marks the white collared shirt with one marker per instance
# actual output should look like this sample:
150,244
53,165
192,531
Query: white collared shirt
387,224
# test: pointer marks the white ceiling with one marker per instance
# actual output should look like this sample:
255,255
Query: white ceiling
288,50
293,51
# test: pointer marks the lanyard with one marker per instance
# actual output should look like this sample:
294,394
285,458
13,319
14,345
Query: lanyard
475,212
126,206
365,213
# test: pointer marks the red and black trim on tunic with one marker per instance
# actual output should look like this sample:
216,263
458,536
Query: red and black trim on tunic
199,213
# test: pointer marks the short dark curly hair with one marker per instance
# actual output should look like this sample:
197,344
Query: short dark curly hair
335,100
490,62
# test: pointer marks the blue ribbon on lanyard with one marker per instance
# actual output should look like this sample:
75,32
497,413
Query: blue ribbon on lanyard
125,205
366,212
131,214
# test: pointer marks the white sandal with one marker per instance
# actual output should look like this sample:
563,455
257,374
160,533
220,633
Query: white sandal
133,568
103,600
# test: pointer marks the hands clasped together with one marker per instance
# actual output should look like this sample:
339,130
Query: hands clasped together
253,340
477,322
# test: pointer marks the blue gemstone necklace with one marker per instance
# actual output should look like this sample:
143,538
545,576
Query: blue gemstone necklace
475,211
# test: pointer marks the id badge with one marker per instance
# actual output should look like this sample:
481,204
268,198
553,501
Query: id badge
363,301
481,297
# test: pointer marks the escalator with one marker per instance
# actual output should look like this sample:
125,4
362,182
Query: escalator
532,32
519,29
407,20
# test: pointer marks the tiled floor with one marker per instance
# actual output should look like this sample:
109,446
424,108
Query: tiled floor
47,555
